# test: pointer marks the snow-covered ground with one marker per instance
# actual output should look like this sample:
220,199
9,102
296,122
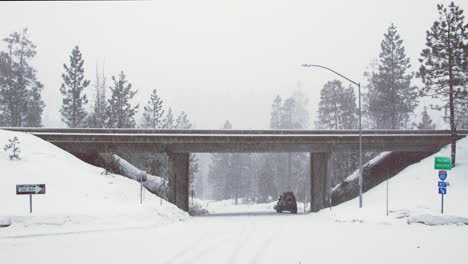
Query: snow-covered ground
413,194
88,217
78,196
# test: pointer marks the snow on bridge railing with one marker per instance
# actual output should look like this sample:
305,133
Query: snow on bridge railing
230,131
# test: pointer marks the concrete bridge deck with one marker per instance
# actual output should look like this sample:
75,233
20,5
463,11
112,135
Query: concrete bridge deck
199,141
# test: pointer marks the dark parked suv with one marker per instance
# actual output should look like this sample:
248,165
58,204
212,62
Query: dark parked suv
286,202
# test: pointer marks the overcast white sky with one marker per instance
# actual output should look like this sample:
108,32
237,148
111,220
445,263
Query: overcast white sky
214,59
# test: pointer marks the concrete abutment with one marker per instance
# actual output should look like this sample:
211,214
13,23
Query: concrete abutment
178,172
320,168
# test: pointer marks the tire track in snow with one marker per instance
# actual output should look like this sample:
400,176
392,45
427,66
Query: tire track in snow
186,248
205,244
265,245
241,242
262,249
203,250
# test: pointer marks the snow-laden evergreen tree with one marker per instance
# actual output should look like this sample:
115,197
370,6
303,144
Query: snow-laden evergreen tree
301,109
13,146
337,107
34,106
444,65
120,112
287,118
266,181
426,121
168,121
183,122
74,98
338,111
227,125
153,112
20,92
289,169
97,118
219,172
231,174
392,97
275,120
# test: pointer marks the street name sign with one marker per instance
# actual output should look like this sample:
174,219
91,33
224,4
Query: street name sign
443,184
442,175
30,189
442,190
442,163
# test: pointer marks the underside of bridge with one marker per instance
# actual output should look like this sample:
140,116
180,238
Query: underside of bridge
319,172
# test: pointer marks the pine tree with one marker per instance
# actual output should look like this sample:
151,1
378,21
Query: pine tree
168,121
337,110
426,121
13,145
74,83
20,92
287,118
391,96
275,120
153,112
220,171
301,109
227,125
444,65
266,185
98,118
119,110
337,107
34,106
182,121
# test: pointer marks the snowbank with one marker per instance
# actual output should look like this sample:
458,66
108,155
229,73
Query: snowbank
413,195
154,184
76,192
437,220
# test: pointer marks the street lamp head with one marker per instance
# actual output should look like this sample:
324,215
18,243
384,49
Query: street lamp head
304,65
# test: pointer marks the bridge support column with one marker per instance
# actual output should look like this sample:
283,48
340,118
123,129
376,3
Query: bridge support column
178,170
320,168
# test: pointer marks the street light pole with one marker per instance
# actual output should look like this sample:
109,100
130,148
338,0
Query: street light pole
360,124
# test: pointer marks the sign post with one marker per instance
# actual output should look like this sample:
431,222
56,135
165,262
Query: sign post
442,164
30,189
142,178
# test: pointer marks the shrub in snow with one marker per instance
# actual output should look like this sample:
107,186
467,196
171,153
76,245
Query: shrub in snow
13,146
197,209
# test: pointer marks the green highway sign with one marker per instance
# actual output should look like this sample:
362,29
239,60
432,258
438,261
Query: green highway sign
443,163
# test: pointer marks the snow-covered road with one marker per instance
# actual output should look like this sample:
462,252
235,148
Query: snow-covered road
263,237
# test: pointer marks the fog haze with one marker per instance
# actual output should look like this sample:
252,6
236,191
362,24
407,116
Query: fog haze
216,60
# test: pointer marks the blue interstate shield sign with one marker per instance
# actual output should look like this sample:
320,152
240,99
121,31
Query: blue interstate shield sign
442,184
442,190
442,175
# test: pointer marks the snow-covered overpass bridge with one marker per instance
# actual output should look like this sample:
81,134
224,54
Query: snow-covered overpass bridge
179,143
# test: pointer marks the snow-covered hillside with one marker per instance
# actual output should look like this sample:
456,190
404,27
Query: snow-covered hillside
413,194
77,194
